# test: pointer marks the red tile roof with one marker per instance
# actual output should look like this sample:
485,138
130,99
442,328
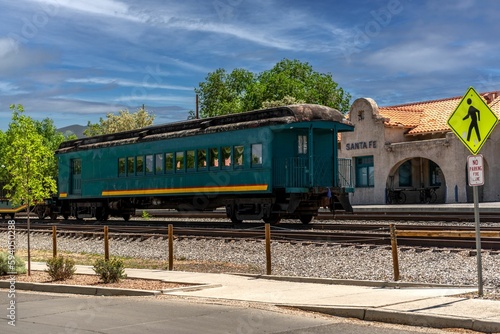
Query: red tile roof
430,116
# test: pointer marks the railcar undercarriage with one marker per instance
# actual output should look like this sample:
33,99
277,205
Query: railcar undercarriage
270,208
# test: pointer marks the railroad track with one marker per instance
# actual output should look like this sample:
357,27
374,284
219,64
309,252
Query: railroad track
366,234
446,216
390,215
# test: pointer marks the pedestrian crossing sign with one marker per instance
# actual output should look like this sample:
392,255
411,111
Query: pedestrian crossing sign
472,121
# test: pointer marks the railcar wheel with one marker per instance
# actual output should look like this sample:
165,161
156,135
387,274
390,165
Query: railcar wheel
306,219
102,214
3,215
126,217
273,219
235,220
40,211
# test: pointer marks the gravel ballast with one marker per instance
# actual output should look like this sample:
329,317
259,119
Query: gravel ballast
357,262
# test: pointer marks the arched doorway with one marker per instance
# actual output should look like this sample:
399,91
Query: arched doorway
415,180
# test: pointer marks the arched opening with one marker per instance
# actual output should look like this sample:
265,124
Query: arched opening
415,180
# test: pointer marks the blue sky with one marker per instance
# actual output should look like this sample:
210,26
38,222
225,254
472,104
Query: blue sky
75,60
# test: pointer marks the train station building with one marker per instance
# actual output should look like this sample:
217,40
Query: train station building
410,149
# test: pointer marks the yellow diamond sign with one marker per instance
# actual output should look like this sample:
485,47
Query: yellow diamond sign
473,121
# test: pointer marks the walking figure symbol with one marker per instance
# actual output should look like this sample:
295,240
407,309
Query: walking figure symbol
474,115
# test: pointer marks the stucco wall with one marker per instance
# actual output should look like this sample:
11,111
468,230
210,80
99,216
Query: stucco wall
389,148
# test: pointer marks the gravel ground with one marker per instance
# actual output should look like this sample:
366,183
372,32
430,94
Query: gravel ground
443,266
418,265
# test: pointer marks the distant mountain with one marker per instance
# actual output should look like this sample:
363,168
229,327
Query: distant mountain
75,129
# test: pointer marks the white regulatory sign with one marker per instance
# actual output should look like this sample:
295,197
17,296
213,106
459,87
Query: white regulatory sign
475,170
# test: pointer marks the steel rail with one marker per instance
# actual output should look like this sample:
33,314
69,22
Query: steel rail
378,235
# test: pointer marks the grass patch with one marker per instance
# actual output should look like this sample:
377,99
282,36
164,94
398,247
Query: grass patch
181,264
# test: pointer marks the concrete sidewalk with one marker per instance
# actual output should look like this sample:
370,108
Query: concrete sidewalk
432,306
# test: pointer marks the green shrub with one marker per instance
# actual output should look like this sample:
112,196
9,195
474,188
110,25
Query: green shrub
60,268
110,271
20,266
146,215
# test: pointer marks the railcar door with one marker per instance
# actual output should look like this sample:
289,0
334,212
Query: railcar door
300,165
76,177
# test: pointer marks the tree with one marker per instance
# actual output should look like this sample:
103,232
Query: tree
51,139
28,166
122,122
288,81
224,93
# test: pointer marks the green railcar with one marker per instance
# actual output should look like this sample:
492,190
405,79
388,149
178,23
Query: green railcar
266,164
7,208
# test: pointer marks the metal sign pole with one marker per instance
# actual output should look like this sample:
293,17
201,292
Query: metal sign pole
478,243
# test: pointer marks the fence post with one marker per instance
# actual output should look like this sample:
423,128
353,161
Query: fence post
170,247
268,249
54,241
394,246
106,244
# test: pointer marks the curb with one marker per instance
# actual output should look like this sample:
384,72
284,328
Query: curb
103,291
403,318
79,289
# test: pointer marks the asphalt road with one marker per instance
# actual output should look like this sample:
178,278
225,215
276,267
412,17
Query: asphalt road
42,313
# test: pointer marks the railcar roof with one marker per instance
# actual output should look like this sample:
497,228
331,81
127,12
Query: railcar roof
251,119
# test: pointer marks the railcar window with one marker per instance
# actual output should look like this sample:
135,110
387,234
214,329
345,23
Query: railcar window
179,160
190,159
256,154
76,166
214,157
159,163
121,166
202,159
238,155
169,162
130,166
302,140
139,167
226,156
149,164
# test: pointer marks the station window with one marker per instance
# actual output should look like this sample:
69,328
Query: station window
226,156
149,164
435,174
159,163
190,159
130,166
365,172
169,162
238,155
179,161
302,144
256,154
202,159
214,157
139,167
405,174
121,167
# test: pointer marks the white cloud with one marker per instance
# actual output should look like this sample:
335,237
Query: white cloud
8,46
102,7
146,83
426,56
